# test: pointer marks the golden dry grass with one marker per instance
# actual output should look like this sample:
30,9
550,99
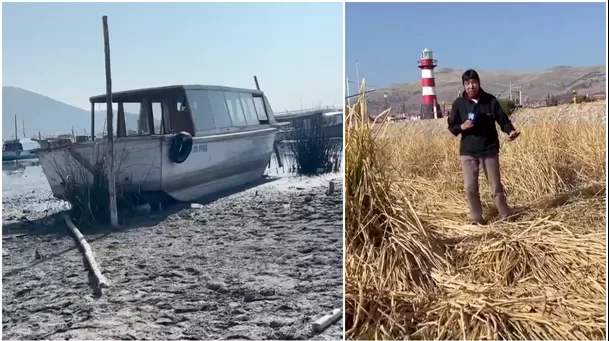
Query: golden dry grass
415,269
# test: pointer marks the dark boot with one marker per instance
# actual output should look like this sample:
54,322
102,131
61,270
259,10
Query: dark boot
480,222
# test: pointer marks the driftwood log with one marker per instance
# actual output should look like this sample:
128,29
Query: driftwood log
325,321
88,257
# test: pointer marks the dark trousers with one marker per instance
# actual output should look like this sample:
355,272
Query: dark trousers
471,171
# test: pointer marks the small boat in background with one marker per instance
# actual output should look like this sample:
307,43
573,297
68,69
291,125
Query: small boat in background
19,149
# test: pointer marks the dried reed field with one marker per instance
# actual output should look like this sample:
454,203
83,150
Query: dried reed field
416,269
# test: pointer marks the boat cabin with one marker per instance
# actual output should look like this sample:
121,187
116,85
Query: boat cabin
19,145
197,109
12,146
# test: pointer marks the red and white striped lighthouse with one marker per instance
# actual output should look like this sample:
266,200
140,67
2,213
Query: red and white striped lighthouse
429,102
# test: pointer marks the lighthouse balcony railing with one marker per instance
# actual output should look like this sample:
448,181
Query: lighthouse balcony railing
428,62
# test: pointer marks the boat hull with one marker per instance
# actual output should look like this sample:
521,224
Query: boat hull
13,156
143,167
218,164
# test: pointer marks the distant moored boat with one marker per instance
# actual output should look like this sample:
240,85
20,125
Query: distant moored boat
20,149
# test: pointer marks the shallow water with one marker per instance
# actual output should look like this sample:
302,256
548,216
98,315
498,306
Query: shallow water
26,194
18,180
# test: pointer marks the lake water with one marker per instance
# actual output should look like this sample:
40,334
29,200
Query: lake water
24,179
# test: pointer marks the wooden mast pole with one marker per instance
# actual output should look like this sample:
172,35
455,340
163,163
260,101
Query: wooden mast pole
110,135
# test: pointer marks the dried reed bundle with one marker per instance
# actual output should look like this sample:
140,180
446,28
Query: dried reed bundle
526,313
541,253
392,242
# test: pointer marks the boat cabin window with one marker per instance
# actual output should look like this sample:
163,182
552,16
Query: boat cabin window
151,113
209,110
215,109
249,109
179,118
235,109
12,147
261,112
170,115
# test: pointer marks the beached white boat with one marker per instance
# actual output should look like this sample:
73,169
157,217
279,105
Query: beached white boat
211,138
20,149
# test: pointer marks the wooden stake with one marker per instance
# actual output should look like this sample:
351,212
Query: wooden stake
110,135
256,81
87,254
121,129
92,121
330,188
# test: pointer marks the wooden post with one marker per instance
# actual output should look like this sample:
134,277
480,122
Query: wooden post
256,81
330,188
121,129
92,121
149,117
111,179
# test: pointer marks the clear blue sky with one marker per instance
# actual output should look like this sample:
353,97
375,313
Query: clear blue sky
386,38
296,50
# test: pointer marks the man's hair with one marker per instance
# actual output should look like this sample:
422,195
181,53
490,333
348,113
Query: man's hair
470,75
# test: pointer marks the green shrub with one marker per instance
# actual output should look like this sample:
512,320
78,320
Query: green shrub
507,105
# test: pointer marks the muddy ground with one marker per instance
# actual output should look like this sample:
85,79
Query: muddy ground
259,264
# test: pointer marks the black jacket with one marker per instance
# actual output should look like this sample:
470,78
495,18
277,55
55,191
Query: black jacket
481,139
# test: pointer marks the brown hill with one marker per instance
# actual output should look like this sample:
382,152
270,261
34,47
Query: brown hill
534,86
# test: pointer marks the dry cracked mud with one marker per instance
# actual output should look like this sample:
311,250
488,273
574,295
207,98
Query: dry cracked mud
260,264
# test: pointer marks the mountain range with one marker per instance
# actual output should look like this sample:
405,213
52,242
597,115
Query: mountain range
535,86
39,113
49,116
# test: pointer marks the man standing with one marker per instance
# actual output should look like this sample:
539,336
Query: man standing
473,115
